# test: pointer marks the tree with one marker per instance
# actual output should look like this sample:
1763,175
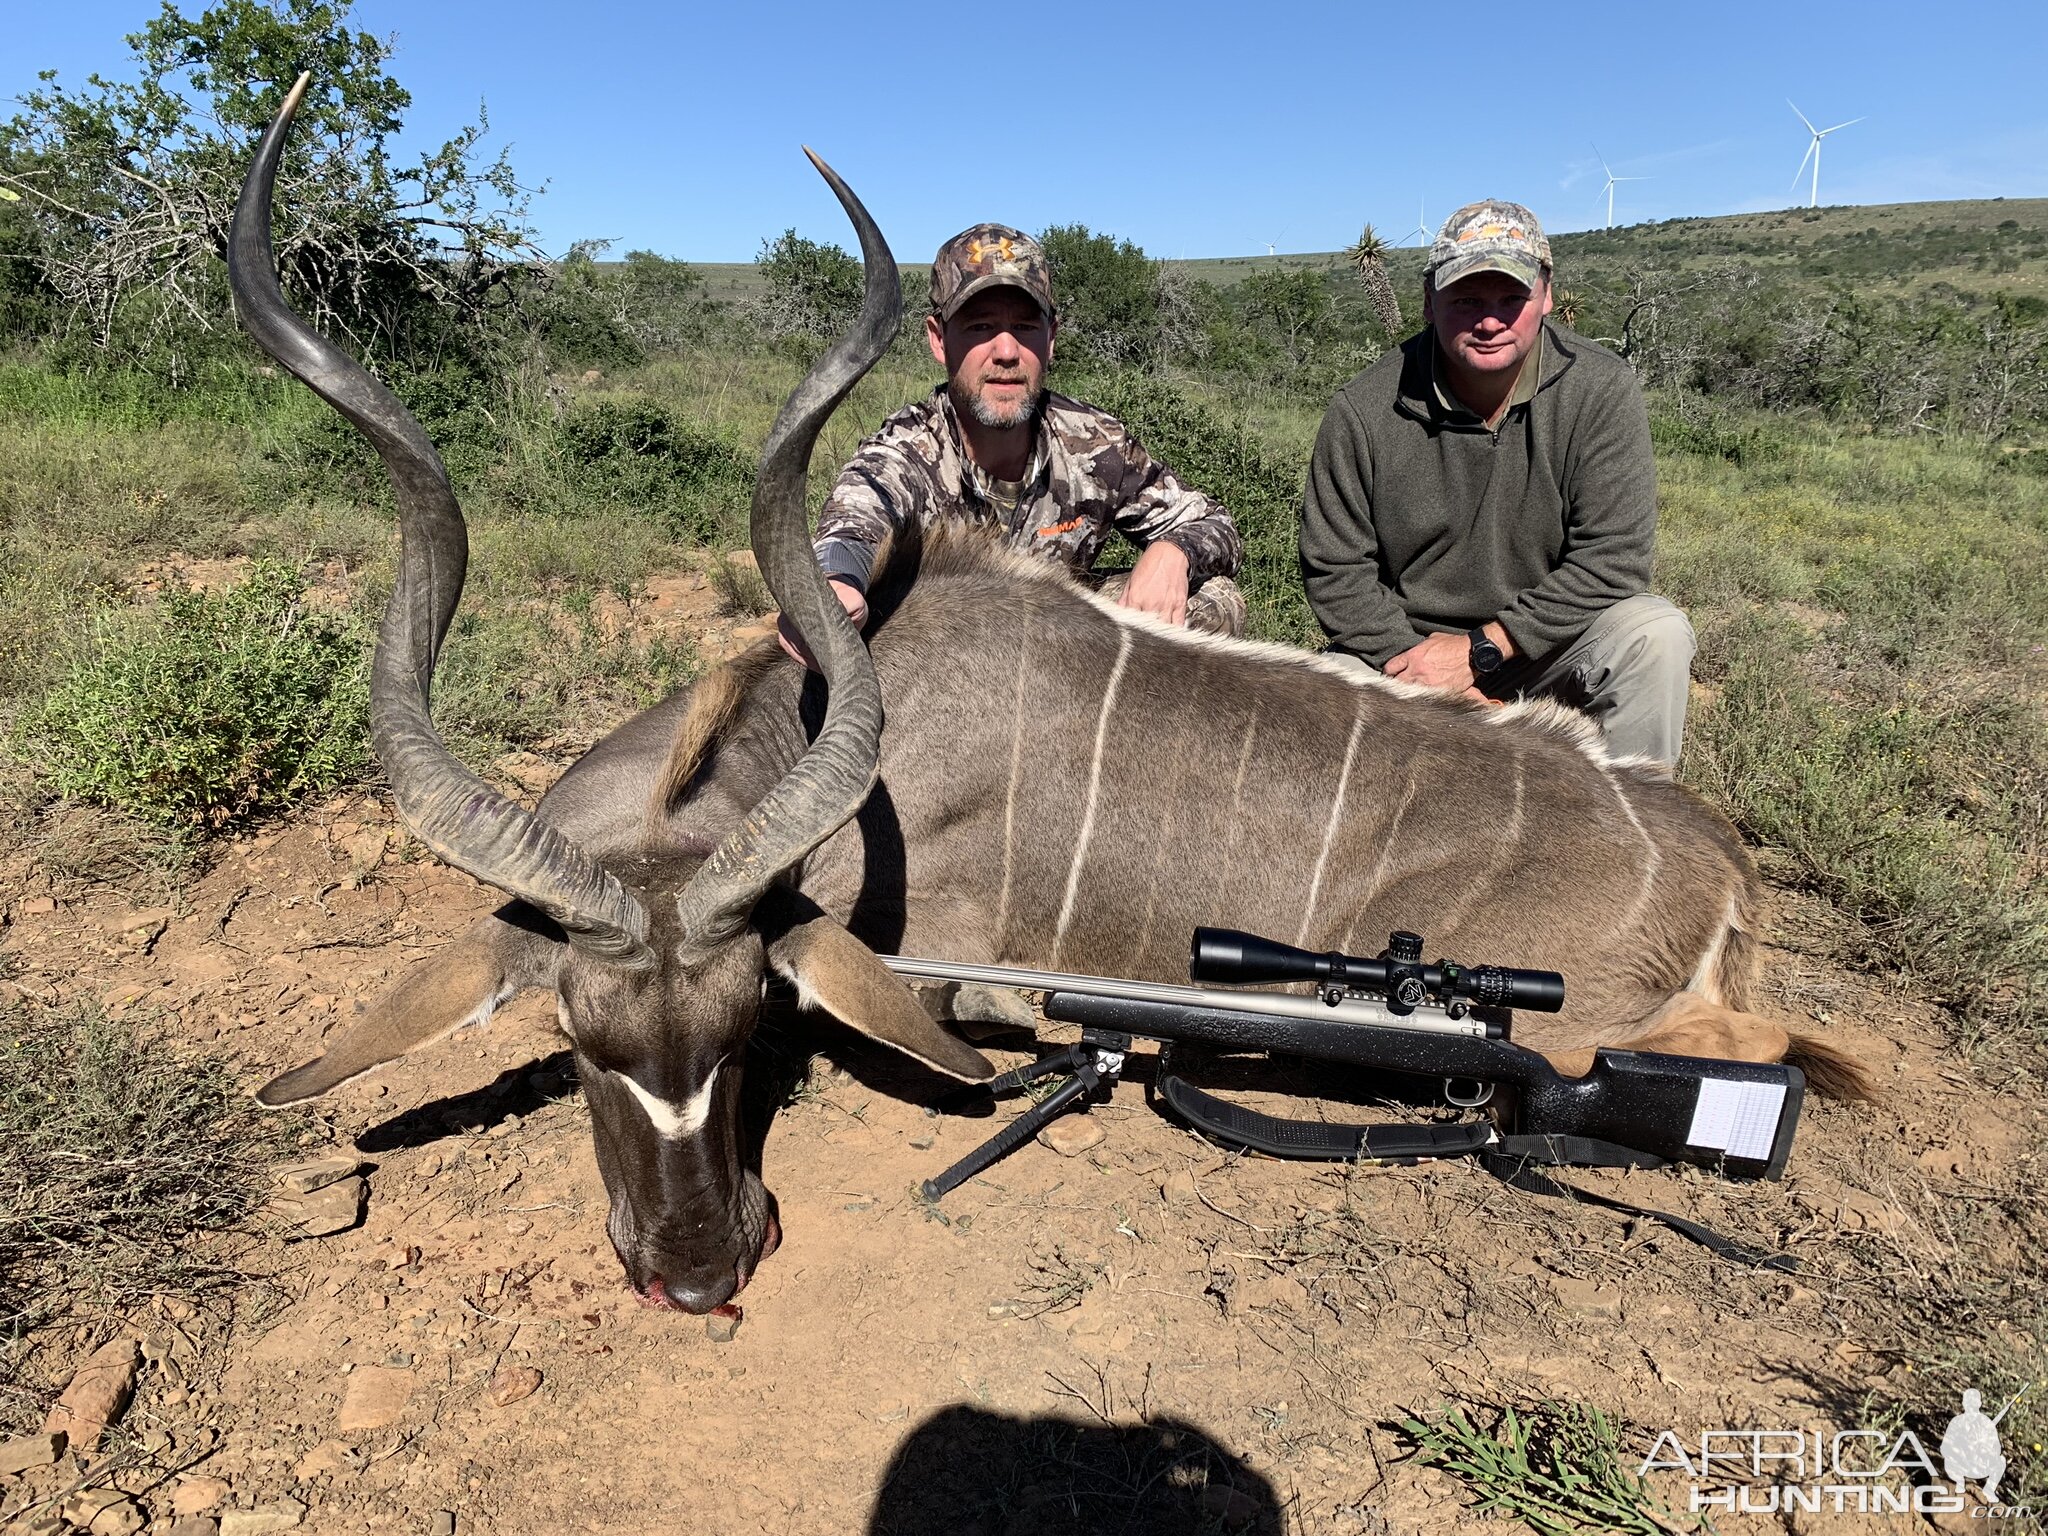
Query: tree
129,186
813,292
1368,253
1108,295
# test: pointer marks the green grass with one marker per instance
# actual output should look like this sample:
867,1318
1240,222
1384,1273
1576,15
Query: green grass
1557,1467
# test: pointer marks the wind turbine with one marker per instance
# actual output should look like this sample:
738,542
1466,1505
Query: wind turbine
1611,180
1420,234
1813,149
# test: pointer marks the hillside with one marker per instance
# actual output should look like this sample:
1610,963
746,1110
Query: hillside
1975,247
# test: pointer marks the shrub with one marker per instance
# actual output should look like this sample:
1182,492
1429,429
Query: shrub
213,707
623,449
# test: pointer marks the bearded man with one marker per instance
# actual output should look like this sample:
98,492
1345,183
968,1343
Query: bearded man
993,446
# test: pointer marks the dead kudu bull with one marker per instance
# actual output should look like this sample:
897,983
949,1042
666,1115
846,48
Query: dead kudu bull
1061,784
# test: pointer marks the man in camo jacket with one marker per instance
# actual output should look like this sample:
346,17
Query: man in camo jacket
993,446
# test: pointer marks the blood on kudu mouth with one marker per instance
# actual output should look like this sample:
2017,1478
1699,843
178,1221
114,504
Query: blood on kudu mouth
656,1294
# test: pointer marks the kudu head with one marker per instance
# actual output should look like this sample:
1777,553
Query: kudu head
660,977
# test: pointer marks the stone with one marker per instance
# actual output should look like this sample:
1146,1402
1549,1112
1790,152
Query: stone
36,906
283,1515
444,1523
102,1512
723,1325
324,1212
1178,1188
121,994
1071,1135
30,1451
141,929
375,1397
318,1173
330,1458
514,1384
199,1496
193,1525
97,1394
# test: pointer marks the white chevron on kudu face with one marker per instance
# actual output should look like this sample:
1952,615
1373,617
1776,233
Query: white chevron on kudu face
673,1121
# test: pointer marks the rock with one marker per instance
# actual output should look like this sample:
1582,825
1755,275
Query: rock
193,1525
1071,1135
444,1523
97,1394
121,994
337,1208
304,1178
36,906
103,1512
30,1451
376,1397
1178,1188
263,1519
923,1143
723,1325
514,1384
141,929
199,1496
366,849
327,1459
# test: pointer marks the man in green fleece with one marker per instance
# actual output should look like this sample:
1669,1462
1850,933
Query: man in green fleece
1482,503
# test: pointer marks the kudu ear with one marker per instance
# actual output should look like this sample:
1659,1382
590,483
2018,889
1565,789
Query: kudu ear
511,950
834,971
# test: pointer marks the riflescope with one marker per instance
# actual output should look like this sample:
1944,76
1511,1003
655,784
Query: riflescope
1398,974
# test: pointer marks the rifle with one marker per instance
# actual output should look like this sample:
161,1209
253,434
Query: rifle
1443,1022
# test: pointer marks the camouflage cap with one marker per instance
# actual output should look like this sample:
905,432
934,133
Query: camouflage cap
989,256
1488,236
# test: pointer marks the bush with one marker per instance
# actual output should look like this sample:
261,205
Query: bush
1108,296
1259,488
119,1150
209,709
814,291
635,451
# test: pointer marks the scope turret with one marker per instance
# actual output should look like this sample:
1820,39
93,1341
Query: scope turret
1227,955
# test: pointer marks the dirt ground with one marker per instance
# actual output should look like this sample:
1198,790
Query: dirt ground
1145,1335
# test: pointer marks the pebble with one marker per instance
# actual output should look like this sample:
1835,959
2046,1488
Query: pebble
193,1525
923,1143
444,1523
283,1515
1586,1298
375,1397
513,1384
330,1458
1177,1188
518,1226
1071,1135
723,1325
30,1451
97,1394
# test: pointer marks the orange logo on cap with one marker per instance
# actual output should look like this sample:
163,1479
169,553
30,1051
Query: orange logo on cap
1488,231
1001,250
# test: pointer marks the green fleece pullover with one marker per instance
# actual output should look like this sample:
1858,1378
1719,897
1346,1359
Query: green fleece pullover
1419,518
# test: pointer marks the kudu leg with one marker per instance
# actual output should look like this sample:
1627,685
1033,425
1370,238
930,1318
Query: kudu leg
463,984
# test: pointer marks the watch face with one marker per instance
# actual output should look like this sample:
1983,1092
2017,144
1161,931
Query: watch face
1486,656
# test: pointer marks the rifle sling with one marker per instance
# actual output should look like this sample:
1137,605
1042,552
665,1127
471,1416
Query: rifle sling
1511,1159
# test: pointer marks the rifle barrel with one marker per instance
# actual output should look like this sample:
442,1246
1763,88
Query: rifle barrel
1426,1019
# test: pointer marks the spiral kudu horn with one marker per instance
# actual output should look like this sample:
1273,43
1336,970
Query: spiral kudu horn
832,778
464,820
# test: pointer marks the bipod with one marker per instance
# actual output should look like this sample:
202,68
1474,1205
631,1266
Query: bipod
1092,1063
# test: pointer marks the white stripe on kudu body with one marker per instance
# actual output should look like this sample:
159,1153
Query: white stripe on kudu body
672,1121
1315,884
1116,676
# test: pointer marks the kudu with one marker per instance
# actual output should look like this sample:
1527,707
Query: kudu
1061,784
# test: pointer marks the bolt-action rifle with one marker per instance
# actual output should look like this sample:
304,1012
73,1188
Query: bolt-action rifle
1446,1023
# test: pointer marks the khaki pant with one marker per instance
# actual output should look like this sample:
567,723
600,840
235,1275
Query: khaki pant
1629,669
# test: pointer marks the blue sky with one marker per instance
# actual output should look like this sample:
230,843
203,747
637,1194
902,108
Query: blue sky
1196,129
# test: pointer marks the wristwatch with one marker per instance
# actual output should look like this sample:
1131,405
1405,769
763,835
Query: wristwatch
1487,658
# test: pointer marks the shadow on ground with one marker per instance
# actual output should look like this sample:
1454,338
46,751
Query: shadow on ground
969,1472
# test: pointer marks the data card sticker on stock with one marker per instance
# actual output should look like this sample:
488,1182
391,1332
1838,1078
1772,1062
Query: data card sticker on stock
1740,1119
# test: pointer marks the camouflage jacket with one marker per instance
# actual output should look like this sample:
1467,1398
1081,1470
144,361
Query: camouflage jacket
1087,475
